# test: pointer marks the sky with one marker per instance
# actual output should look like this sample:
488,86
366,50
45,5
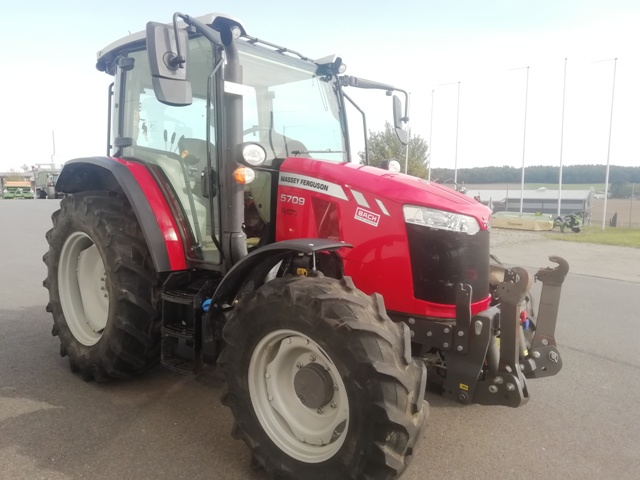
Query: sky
487,79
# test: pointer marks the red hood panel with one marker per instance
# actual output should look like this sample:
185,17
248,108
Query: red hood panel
396,187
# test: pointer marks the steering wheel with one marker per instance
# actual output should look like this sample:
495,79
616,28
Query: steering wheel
254,129
197,149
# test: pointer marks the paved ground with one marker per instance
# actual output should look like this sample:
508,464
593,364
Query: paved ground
532,249
582,424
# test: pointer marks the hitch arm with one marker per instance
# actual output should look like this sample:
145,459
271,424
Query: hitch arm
543,345
508,385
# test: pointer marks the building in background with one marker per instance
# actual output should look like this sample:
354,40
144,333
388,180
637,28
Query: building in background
541,200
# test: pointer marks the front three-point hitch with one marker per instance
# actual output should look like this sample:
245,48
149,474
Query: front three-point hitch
493,353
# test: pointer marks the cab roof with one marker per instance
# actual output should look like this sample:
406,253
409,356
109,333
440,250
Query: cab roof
136,40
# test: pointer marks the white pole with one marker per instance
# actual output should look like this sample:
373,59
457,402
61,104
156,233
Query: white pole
53,152
524,138
606,178
455,170
633,188
564,89
431,136
455,165
406,158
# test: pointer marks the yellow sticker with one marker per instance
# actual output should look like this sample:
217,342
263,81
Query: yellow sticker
464,387
301,271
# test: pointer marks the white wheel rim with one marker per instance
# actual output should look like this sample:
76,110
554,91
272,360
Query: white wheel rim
310,435
83,289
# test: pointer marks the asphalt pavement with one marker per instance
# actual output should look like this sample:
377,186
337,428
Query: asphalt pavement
582,424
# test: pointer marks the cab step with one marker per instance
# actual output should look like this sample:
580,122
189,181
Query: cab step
181,328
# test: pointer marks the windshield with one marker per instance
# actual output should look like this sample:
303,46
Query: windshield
288,108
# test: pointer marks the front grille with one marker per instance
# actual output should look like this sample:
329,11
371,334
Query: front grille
441,259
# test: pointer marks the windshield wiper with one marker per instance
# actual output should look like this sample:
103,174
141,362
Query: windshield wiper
328,150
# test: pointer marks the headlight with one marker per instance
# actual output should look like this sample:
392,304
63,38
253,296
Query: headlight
253,154
440,219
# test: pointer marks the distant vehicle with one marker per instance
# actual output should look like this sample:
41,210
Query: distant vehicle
572,221
45,183
17,190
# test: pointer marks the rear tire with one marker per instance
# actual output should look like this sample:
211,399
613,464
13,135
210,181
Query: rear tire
101,281
321,382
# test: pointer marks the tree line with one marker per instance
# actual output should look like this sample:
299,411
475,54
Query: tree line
384,145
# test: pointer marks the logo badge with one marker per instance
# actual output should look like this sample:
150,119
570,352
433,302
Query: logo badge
367,217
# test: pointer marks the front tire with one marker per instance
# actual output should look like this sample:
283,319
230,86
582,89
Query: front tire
321,382
101,281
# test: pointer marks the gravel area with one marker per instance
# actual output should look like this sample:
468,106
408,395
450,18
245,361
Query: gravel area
505,236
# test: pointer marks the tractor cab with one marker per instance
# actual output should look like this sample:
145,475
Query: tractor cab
189,122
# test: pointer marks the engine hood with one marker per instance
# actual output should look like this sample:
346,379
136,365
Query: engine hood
394,187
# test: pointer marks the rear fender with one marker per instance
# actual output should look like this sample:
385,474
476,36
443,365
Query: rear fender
134,180
250,272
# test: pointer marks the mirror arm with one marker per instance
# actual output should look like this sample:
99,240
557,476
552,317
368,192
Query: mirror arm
212,35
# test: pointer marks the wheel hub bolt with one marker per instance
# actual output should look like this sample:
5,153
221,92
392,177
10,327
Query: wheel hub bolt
312,357
334,405
320,410
299,364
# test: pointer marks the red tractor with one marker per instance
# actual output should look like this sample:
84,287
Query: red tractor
228,225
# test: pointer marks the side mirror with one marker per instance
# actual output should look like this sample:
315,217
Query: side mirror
397,121
167,50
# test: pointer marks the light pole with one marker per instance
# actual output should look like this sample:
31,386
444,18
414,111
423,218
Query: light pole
564,89
524,136
606,178
406,158
455,161
430,157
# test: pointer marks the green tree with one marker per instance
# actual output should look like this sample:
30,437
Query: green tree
385,145
621,189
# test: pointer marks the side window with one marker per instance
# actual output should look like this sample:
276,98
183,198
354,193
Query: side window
162,126
174,139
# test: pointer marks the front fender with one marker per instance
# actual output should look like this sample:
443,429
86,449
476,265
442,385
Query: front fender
255,266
